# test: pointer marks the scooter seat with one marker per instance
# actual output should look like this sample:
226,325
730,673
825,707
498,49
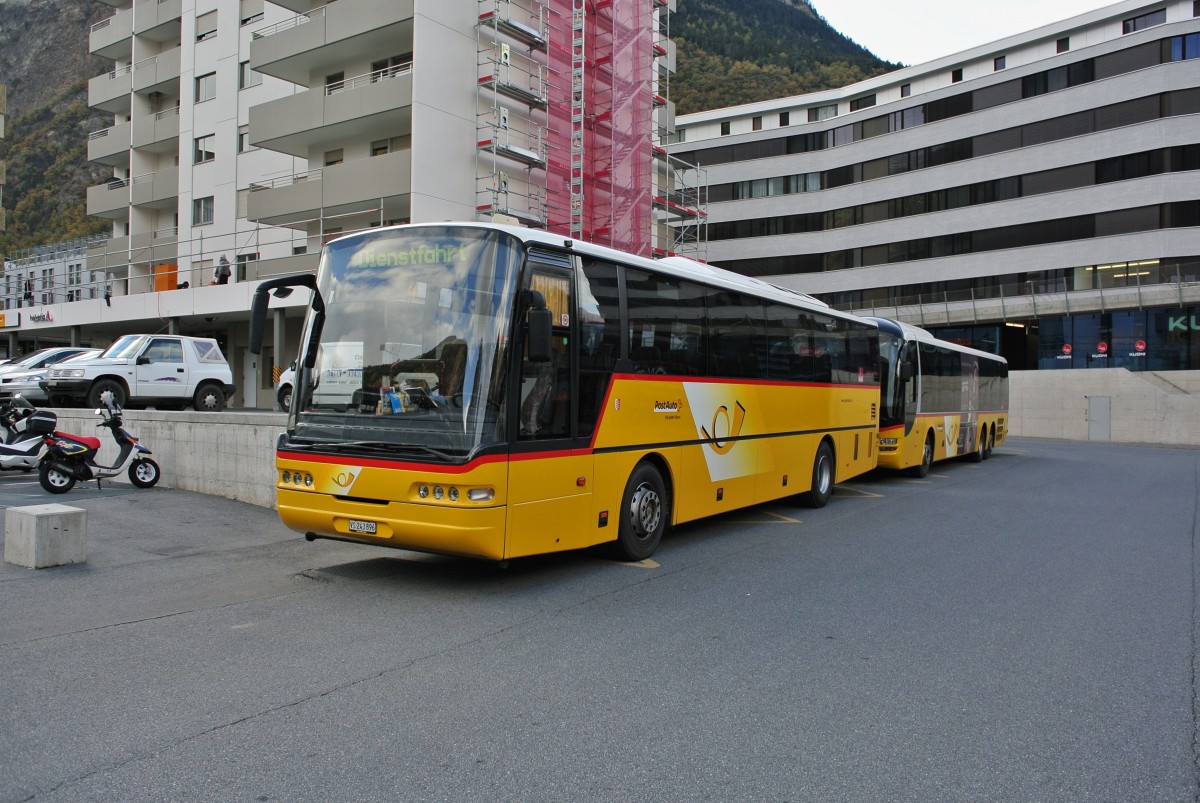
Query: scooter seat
89,442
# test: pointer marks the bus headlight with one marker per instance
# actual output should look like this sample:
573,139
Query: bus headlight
453,494
481,494
423,492
888,441
438,493
287,477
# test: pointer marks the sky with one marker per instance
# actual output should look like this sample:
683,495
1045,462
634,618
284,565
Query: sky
917,31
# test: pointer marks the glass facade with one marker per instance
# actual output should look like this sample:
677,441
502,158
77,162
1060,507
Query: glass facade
1137,340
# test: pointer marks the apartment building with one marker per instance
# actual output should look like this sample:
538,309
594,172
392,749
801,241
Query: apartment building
1036,196
254,131
3,111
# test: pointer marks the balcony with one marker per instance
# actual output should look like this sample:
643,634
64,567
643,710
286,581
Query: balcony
110,200
300,6
342,189
110,146
159,21
157,133
302,46
112,38
351,109
158,73
157,190
110,92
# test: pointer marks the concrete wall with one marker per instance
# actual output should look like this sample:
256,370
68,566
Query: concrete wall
1145,407
228,454
232,454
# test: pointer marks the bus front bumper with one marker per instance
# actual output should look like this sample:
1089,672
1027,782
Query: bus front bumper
476,532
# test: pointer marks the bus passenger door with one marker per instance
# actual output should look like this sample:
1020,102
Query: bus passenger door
549,479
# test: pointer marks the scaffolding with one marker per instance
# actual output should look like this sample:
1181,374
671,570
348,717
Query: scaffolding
513,80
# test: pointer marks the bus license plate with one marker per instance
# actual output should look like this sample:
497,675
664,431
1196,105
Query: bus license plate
357,526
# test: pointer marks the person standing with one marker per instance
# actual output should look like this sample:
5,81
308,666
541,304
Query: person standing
222,273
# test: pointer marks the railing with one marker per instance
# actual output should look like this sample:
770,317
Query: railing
287,24
102,24
101,134
162,234
286,181
367,78
165,113
119,71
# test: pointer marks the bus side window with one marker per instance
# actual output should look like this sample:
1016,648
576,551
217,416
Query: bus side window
598,310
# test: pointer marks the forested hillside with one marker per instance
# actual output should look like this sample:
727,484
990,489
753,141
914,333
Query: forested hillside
729,52
740,51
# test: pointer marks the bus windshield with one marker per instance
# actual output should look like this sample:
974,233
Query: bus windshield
412,355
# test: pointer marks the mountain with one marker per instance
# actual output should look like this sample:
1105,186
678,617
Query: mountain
728,52
45,64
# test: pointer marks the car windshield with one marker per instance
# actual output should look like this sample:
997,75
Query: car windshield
125,346
412,353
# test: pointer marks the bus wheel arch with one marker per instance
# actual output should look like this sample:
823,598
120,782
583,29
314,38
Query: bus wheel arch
645,510
824,474
922,468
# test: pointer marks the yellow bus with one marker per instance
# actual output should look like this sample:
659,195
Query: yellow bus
937,399
491,391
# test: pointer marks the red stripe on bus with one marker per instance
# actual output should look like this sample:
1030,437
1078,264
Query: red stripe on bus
370,462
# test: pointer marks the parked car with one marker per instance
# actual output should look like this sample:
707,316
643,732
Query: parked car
27,384
41,358
163,370
283,388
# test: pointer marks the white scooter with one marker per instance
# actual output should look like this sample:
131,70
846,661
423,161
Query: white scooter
68,458
20,445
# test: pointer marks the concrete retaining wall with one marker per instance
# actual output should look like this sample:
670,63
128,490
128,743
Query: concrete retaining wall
228,454
1144,407
232,454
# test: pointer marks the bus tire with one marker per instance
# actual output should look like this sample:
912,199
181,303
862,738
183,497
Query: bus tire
822,478
991,442
644,512
922,469
979,453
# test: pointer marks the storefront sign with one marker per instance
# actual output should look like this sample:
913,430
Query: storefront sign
41,317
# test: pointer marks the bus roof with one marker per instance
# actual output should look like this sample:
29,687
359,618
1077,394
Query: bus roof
910,332
679,267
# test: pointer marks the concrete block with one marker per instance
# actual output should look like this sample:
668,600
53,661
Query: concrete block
37,536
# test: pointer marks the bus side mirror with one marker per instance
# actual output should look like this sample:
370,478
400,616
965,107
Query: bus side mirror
906,371
537,343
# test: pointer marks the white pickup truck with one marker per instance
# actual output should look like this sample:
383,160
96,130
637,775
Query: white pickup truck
159,370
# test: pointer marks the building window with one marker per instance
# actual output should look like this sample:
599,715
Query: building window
999,63
206,87
204,149
905,90
725,128
251,11
1064,44
333,157
862,103
248,77
1134,24
1196,8
335,82
956,76
381,147
202,211
785,117
206,26
389,67
243,143
819,113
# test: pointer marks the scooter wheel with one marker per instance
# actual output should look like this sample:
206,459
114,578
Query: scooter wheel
53,480
144,473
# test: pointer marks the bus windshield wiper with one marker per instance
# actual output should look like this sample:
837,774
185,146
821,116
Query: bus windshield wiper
390,448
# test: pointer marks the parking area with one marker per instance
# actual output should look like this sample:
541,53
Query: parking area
1020,629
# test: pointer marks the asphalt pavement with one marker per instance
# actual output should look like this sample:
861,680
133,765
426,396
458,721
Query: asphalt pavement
1017,630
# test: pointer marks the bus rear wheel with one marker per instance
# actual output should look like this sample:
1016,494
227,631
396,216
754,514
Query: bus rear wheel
644,513
926,459
822,479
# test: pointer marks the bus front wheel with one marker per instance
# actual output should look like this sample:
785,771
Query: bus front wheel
926,459
643,514
822,479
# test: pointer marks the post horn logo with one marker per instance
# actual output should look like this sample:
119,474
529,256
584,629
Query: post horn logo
344,479
724,444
